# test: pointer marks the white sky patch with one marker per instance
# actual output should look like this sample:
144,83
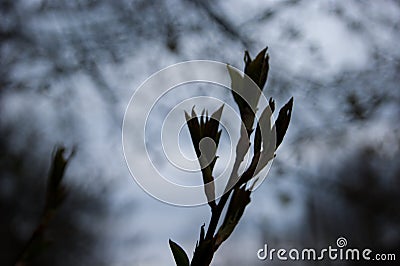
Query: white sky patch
325,46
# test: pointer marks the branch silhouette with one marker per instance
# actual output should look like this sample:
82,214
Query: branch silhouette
238,188
55,195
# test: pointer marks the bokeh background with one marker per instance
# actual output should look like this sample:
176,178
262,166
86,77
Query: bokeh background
69,68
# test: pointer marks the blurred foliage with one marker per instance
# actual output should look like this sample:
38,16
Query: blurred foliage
54,197
48,49
63,236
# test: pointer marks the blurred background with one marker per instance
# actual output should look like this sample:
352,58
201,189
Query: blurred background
69,68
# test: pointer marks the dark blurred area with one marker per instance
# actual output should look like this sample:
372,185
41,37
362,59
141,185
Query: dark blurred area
68,240
68,69
357,200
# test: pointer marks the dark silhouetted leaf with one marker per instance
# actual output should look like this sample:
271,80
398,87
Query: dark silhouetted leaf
283,120
272,104
258,68
181,259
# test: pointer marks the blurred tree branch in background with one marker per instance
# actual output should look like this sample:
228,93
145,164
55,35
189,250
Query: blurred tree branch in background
55,194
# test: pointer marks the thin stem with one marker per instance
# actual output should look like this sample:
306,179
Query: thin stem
216,215
36,238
